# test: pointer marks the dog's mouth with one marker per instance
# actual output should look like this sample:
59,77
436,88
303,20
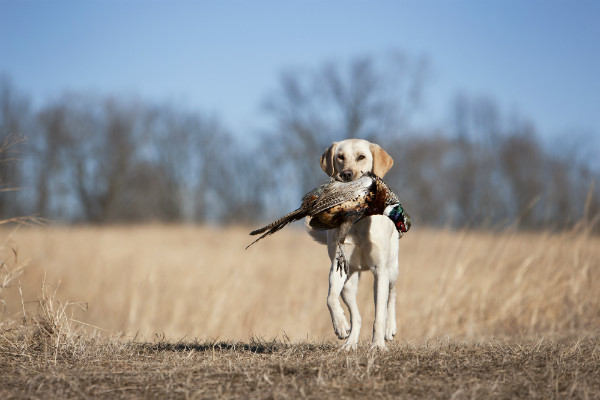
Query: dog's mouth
348,176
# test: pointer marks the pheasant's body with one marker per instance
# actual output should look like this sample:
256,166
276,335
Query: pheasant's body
341,204
329,206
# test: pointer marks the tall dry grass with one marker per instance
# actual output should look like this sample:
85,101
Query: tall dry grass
198,282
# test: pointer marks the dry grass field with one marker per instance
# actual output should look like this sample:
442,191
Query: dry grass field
185,312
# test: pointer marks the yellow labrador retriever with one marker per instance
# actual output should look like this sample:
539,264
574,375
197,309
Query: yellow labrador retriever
372,244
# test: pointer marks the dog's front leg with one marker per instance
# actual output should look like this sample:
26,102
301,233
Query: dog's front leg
336,284
349,296
381,287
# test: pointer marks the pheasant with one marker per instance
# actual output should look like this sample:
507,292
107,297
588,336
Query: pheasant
340,205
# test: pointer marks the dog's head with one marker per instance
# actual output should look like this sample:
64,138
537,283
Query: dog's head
350,159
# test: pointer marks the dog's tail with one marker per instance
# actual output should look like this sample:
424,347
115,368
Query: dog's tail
279,224
319,236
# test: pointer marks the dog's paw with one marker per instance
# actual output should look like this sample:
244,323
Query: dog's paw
376,346
349,346
390,332
341,327
344,331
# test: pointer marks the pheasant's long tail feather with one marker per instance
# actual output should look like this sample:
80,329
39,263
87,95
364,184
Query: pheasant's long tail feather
279,224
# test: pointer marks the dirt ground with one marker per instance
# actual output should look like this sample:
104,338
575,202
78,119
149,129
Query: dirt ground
440,369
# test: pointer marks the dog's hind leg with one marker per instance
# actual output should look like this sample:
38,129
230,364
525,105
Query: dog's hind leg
381,289
390,325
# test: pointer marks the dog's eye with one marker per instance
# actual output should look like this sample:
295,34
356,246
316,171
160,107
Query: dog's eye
341,157
360,157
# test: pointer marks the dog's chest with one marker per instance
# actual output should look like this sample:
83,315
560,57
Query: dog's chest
365,242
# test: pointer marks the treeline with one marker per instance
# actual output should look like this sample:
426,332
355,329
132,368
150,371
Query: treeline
104,160
96,159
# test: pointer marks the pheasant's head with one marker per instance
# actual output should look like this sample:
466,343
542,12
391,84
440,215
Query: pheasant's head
399,217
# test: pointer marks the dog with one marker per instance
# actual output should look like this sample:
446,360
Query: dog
372,244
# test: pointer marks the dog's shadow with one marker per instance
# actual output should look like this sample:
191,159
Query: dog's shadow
258,348
253,346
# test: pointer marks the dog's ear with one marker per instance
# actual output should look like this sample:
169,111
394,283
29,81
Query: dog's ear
382,161
327,159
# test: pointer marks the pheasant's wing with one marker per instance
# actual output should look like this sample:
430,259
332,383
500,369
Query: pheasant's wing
392,198
336,193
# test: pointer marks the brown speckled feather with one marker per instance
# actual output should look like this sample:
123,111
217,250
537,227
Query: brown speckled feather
336,193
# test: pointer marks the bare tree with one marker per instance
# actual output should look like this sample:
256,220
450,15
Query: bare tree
86,148
14,112
421,177
365,98
46,148
478,190
244,184
189,149
522,163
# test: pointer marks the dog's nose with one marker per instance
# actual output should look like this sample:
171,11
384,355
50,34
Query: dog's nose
346,175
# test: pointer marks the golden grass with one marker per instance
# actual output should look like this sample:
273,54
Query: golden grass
198,282
440,369
538,290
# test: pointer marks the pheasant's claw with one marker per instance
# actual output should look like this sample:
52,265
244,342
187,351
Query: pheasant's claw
342,263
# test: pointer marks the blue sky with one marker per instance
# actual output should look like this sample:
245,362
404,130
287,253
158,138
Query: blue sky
539,58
